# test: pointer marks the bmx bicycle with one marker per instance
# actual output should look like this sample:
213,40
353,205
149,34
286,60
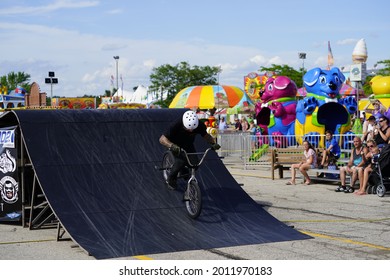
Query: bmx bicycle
192,194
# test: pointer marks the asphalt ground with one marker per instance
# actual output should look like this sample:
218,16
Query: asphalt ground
343,227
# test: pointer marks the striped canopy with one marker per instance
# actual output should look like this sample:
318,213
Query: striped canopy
207,97
245,105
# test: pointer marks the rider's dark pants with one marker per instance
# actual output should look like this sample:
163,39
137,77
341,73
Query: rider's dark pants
180,162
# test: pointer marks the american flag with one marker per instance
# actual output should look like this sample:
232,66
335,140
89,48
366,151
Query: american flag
330,56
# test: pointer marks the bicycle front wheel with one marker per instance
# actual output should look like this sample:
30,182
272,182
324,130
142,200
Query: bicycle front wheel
194,200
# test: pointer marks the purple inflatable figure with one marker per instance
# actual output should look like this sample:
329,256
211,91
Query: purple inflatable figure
276,111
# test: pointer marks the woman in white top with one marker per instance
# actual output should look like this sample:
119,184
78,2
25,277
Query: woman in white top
368,129
310,161
222,124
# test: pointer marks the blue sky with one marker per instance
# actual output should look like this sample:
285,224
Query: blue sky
78,38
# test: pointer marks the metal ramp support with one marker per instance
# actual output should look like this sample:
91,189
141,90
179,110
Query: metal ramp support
36,211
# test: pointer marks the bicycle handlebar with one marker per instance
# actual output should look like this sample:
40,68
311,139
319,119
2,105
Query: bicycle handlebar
201,160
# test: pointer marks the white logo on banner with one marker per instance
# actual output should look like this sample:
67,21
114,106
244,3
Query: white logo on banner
7,138
9,189
7,162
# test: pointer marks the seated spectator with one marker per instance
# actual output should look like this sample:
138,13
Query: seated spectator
365,173
310,161
332,150
379,109
355,163
382,132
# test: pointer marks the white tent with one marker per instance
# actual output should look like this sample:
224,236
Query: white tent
124,95
141,96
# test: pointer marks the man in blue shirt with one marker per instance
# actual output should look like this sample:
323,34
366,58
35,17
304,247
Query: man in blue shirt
332,150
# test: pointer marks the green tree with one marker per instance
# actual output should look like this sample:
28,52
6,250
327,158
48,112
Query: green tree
12,80
285,70
171,79
384,71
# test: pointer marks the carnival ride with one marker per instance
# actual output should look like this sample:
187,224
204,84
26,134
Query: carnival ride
323,109
11,99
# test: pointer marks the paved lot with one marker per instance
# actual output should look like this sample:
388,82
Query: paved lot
343,226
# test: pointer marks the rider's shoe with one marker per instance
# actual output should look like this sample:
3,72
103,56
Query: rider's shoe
172,184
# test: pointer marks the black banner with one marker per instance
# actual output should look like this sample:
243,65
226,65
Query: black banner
10,193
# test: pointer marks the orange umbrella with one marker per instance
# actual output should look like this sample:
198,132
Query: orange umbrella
207,97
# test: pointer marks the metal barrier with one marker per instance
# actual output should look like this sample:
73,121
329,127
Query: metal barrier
253,151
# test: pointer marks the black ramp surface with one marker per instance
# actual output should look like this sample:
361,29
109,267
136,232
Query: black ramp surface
96,168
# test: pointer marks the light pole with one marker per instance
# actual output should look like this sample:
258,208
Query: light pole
51,80
303,57
219,87
116,61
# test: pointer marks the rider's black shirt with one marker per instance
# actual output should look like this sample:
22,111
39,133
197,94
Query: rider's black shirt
178,135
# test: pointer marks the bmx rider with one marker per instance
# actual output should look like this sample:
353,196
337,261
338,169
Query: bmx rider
181,135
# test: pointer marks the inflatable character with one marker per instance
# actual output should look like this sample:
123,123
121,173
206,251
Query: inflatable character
322,109
275,113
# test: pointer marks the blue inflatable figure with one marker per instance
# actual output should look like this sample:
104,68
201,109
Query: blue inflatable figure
322,109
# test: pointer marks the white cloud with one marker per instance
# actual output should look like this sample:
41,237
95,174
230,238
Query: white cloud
115,12
150,63
258,59
57,5
347,42
275,60
84,62
113,46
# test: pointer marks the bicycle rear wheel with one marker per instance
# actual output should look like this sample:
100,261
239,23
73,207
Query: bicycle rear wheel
194,202
167,163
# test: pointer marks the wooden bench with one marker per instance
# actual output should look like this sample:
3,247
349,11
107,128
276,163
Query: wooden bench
282,158
325,171
342,161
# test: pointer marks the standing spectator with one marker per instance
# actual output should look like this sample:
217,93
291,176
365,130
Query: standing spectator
355,163
253,130
310,161
222,124
382,131
237,125
244,124
332,150
368,129
379,109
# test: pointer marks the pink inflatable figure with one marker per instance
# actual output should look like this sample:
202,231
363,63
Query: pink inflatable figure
277,108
